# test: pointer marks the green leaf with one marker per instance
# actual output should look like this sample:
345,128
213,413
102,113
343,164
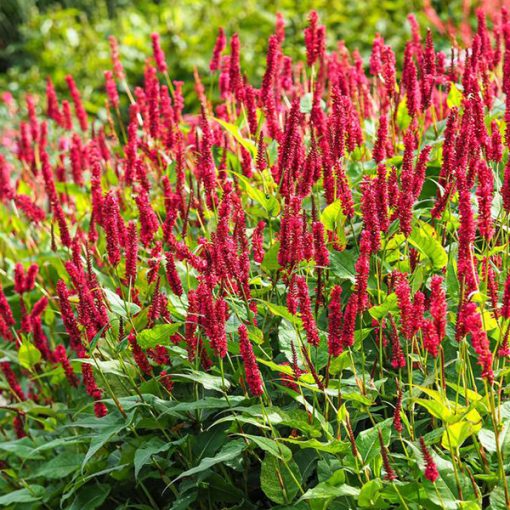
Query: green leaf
279,480
118,305
35,493
342,264
229,452
270,446
332,216
110,366
270,261
286,336
487,439
422,238
158,335
236,133
144,454
281,311
105,429
497,497
208,381
184,501
403,118
325,491
90,497
367,441
454,96
22,448
212,403
268,202
333,447
370,494
67,441
275,367
389,305
435,408
28,355
60,466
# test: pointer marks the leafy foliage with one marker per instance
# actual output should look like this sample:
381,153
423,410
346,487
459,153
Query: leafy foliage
281,297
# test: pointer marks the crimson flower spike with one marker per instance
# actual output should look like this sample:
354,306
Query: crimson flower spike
219,46
251,369
390,473
81,114
335,322
431,472
159,55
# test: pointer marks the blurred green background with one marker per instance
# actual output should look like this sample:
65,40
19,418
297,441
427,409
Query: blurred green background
40,38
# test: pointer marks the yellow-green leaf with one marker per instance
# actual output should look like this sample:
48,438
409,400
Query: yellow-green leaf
28,355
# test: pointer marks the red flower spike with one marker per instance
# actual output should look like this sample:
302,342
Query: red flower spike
309,325
111,90
335,322
257,242
139,356
397,421
390,473
320,252
438,305
115,56
251,369
172,275
81,114
60,356
431,472
159,55
12,381
219,46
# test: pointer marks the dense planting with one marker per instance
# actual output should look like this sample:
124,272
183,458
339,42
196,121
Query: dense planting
295,297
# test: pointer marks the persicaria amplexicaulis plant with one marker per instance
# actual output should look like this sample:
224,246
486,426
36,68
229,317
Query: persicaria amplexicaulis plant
290,292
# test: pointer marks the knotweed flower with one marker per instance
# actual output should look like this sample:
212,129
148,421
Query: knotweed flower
12,380
309,325
407,317
390,474
61,357
335,322
111,217
69,320
397,420
172,275
139,356
115,56
221,42
505,307
379,151
438,305
5,309
431,340
166,380
159,55
362,268
235,77
251,369
431,472
321,254
257,242
111,89
19,425
398,359
52,106
81,114
349,325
